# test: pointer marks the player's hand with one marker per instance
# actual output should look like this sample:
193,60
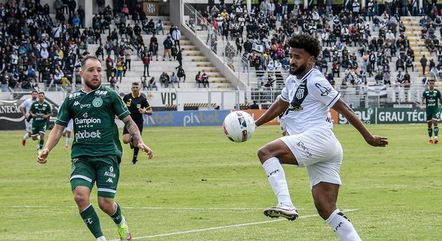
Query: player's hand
146,149
142,110
421,107
379,141
42,156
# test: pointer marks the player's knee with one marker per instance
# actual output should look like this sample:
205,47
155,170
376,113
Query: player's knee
324,209
107,205
264,154
81,199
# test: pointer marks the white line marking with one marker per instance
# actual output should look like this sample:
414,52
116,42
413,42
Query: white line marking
189,208
152,208
224,227
26,206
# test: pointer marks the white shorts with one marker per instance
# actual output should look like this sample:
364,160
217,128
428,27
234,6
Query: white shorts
320,152
28,126
69,127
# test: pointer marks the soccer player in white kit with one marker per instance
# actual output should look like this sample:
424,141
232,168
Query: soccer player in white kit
310,142
24,108
67,133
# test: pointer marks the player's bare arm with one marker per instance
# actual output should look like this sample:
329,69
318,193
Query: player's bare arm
341,107
53,139
421,105
275,110
23,111
132,128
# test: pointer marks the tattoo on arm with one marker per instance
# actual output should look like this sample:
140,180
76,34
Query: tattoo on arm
133,130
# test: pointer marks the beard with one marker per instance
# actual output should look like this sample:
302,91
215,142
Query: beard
91,85
298,71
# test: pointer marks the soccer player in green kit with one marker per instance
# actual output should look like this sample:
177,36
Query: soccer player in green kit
96,150
432,98
40,112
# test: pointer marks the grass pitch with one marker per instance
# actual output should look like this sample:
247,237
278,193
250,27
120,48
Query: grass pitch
200,186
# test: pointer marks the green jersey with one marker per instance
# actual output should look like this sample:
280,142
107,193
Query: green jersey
93,114
432,98
40,109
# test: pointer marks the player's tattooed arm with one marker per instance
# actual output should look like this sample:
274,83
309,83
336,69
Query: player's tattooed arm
133,130
137,141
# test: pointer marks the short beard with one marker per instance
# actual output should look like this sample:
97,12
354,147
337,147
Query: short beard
91,86
298,71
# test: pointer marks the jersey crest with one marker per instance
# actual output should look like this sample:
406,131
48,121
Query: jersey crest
97,102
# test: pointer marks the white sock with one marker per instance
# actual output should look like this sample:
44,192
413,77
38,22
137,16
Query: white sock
276,176
68,141
26,136
101,238
342,226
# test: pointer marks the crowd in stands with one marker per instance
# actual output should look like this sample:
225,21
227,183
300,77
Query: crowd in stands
34,48
358,43
431,34
40,47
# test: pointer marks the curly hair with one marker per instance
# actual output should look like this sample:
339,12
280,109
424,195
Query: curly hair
306,42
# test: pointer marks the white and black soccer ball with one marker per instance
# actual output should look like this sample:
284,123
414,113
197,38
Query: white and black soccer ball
239,126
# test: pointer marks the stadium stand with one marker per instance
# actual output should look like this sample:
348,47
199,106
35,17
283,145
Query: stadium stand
366,54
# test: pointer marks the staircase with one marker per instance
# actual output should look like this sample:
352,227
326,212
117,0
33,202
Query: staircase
193,61
417,44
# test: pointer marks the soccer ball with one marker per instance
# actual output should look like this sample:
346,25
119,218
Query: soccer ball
239,126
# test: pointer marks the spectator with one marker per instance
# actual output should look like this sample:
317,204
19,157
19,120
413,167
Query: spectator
205,79
167,48
181,74
199,79
128,57
109,67
120,69
152,84
159,27
176,36
153,47
179,57
174,79
146,63
423,62
254,106
164,80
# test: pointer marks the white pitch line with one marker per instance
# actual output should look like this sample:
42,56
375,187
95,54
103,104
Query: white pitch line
224,227
149,208
190,208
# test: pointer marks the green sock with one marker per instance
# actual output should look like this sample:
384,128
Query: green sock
117,215
436,131
90,218
430,132
40,144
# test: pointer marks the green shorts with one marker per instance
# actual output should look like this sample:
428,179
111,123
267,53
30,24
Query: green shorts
103,170
38,127
432,114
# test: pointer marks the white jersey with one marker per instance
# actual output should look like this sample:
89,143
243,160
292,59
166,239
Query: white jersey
314,111
27,104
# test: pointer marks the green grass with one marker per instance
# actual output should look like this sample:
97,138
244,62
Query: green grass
198,179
